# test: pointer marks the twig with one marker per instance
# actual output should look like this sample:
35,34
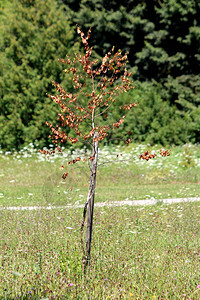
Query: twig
112,161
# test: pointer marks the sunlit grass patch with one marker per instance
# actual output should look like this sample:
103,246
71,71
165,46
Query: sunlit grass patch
137,252
28,178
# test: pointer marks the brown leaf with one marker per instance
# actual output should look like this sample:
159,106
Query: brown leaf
65,175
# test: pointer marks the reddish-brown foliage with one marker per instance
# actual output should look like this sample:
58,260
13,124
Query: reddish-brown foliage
73,112
147,155
164,153
98,84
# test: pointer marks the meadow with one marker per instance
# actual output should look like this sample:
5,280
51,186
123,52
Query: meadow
29,178
147,252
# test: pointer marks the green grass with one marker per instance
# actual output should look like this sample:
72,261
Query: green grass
32,181
137,253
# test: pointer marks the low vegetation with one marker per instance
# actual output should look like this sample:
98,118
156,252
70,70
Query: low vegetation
149,252
41,183
138,253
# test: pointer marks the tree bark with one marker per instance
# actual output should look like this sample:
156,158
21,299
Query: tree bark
90,198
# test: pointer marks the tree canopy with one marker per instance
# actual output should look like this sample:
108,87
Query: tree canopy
34,36
163,41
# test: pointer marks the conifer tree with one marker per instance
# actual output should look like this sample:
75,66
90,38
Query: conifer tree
163,41
34,34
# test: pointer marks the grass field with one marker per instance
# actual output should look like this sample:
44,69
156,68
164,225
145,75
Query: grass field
137,252
28,178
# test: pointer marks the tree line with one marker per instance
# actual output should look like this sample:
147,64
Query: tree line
163,41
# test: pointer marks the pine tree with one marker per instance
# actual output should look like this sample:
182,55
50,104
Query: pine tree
163,41
34,34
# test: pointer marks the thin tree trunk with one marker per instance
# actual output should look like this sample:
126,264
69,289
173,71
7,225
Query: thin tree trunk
90,199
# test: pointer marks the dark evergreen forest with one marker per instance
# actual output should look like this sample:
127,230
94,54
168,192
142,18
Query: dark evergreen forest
163,41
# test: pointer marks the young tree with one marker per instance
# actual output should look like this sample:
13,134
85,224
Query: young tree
86,108
87,111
